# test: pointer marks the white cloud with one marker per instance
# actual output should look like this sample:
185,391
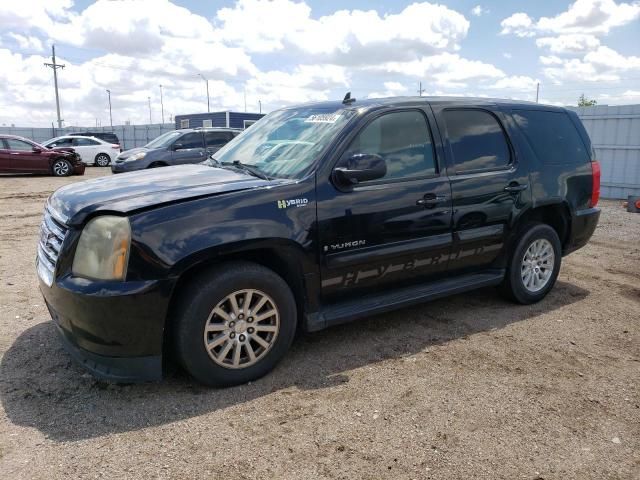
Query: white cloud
569,44
346,36
507,55
445,69
392,89
27,42
478,11
600,65
582,17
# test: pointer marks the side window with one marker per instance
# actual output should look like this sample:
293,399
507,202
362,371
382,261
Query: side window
84,142
207,123
553,136
191,140
19,145
402,139
63,142
216,139
184,123
477,141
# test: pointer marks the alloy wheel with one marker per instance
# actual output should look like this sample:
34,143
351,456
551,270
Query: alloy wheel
537,265
241,329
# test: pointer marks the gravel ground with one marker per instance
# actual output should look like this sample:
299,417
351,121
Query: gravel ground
466,387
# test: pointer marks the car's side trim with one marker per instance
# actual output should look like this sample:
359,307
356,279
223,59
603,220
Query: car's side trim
378,252
353,309
489,231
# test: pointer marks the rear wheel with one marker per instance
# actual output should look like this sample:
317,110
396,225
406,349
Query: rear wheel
534,264
235,324
61,168
157,165
103,160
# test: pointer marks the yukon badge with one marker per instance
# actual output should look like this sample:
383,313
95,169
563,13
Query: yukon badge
343,245
295,202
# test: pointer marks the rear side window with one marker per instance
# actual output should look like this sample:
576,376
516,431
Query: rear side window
217,139
191,140
553,136
477,141
84,142
404,141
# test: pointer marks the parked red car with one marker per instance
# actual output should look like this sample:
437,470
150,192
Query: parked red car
20,155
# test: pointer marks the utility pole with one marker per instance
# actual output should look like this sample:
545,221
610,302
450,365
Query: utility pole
161,104
260,105
537,91
420,89
244,90
55,67
207,82
110,118
149,100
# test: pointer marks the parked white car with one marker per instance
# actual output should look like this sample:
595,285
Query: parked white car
92,150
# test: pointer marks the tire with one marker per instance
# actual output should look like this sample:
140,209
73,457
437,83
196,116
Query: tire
527,280
61,168
103,160
216,365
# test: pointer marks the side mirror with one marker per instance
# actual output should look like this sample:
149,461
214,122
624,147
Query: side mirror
177,146
37,150
361,167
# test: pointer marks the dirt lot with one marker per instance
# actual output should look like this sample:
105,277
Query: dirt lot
466,387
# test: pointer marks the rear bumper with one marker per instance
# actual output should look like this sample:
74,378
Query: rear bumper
583,224
114,329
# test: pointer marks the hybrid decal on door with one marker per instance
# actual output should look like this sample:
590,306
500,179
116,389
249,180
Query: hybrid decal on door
355,277
295,202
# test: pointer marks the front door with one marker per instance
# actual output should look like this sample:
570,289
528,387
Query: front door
489,186
188,148
392,231
23,157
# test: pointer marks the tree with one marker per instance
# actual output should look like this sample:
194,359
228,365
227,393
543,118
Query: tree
585,102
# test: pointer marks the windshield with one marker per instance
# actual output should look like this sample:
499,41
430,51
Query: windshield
163,140
285,143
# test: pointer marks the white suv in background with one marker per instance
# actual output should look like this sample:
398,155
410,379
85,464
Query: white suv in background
92,150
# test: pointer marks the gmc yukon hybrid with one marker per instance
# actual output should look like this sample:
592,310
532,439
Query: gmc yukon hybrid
317,215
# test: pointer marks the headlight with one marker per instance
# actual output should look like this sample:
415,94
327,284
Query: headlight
103,249
136,156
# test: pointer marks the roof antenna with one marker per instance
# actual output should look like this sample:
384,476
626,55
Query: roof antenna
347,99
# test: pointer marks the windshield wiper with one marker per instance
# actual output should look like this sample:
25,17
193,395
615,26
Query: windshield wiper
255,171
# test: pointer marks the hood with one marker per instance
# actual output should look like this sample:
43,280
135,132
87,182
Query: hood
128,192
128,153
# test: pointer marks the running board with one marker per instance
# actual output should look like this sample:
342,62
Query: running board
349,310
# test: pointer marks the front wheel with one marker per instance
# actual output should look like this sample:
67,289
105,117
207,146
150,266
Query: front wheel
61,168
235,324
103,160
534,264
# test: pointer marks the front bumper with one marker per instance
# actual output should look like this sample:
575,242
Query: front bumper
114,329
78,168
121,167
583,224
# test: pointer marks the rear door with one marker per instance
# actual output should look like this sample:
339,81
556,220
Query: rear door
5,157
216,140
87,148
189,148
392,231
489,186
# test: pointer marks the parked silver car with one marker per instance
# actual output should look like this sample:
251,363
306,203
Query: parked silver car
191,145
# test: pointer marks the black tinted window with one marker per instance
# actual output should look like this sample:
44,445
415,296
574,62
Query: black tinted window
403,140
217,139
477,140
552,136
191,140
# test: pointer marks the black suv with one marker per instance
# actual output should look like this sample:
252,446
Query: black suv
319,214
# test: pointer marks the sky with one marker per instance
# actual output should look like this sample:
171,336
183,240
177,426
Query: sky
275,53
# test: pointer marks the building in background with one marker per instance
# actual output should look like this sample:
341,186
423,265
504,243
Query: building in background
218,119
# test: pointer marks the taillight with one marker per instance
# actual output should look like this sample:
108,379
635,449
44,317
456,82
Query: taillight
115,146
595,183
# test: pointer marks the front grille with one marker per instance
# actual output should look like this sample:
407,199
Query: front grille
52,235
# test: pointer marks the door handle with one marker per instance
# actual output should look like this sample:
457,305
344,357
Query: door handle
516,187
430,200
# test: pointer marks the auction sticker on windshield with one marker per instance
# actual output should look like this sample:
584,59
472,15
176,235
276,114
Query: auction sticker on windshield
323,118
